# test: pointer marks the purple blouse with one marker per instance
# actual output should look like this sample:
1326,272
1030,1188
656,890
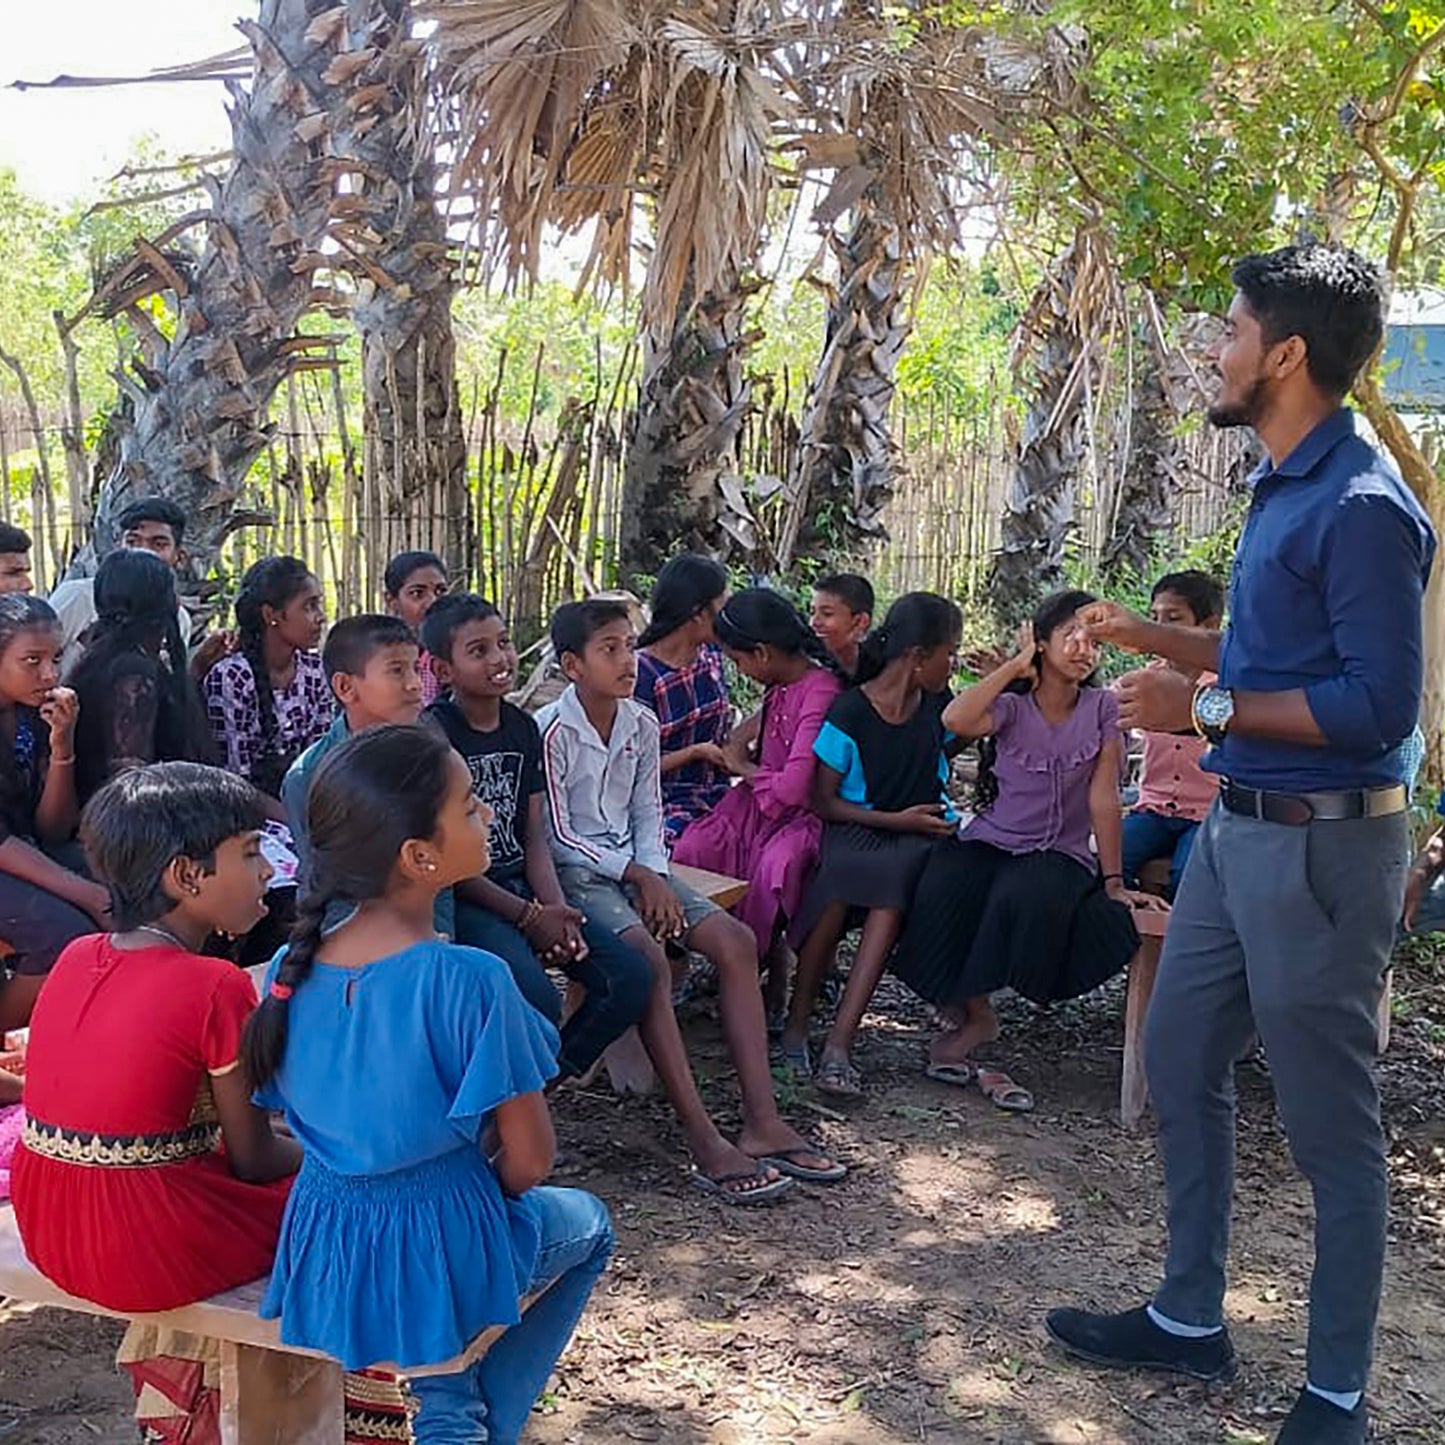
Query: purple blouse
1044,772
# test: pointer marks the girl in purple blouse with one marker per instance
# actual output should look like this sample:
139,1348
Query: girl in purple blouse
1023,900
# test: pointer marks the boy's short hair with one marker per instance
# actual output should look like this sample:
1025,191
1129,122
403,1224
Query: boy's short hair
448,615
354,641
853,591
575,624
141,821
14,539
154,509
1203,593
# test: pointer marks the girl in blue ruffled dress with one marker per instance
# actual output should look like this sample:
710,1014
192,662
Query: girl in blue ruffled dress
412,1072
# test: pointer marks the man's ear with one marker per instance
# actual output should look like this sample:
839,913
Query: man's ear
183,558
571,666
1290,355
343,686
441,669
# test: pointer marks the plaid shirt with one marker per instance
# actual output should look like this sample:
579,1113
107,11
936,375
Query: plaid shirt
692,706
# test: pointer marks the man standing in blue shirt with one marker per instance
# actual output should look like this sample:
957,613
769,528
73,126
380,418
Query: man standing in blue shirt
1286,916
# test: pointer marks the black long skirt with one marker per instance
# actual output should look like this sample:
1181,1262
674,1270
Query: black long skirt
865,868
983,919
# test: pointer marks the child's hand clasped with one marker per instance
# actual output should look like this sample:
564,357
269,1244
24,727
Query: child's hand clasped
930,819
556,934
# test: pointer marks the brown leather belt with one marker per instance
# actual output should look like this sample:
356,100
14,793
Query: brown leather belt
1297,809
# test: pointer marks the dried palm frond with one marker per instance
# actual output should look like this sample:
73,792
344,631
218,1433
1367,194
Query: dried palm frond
523,77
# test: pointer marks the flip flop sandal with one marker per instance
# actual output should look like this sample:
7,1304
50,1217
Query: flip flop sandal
1003,1093
796,1059
717,1187
839,1079
785,1162
960,1076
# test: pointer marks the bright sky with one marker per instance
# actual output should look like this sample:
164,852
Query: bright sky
62,142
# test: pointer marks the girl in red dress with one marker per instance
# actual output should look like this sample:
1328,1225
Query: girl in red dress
146,1178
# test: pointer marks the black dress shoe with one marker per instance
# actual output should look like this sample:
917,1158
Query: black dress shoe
1315,1421
1132,1341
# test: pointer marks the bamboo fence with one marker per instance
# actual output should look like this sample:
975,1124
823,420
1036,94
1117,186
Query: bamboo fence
544,491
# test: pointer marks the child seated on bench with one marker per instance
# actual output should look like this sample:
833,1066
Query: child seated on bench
680,677
43,905
842,616
1174,791
764,829
1023,901
517,910
880,792
138,701
601,755
413,1073
146,1178
413,583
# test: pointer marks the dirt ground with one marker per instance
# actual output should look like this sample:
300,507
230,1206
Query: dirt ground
905,1305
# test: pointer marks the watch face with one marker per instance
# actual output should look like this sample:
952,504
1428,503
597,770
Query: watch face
1216,707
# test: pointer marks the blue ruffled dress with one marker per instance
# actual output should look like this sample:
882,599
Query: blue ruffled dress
399,1245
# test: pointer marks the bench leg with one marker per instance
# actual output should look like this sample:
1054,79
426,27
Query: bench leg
628,1065
272,1398
1134,1089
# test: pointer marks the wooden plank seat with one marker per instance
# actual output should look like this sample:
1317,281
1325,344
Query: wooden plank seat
270,1392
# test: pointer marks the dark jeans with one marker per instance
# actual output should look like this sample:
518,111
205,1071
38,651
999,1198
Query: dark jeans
1286,932
617,979
1148,836
37,924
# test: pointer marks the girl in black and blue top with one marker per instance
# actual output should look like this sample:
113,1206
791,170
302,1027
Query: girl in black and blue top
880,791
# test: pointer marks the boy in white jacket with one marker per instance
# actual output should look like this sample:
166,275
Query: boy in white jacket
604,795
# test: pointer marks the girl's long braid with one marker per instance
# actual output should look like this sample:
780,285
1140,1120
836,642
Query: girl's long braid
263,1045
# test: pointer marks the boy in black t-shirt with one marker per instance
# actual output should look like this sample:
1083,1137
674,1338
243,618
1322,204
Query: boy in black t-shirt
518,903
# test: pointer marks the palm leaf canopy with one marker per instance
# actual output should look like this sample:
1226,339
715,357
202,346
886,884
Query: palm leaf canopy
568,112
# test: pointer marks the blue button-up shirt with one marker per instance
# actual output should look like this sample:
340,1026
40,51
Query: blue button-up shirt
1326,596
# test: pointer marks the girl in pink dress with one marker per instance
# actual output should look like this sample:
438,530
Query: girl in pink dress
764,828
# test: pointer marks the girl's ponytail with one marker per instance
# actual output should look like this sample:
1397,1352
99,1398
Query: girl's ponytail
760,616
917,620
263,1045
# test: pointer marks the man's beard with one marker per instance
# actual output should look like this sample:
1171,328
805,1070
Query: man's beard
1243,413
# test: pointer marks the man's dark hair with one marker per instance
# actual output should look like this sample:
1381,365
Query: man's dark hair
13,539
1203,593
354,641
447,616
1332,298
154,509
853,591
575,624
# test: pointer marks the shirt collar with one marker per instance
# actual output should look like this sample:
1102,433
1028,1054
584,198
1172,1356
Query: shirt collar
1309,452
623,726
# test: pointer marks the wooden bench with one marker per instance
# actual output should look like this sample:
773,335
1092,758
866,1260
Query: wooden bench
1143,970
271,1394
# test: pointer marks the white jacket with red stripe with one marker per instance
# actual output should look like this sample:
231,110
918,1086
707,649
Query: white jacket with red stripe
604,799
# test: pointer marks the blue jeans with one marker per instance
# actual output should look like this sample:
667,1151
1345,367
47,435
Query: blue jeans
491,1400
616,978
1148,836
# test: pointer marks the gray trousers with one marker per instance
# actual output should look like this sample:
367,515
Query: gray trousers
1286,931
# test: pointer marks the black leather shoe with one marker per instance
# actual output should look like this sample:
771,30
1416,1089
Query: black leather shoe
1315,1421
1132,1341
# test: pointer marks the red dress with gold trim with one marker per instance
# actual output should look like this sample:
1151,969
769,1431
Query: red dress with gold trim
121,1187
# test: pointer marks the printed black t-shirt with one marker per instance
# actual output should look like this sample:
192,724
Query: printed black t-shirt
506,770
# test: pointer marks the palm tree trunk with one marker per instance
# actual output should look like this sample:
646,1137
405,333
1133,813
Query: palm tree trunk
1039,505
399,253
680,487
844,473
1144,509
200,397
